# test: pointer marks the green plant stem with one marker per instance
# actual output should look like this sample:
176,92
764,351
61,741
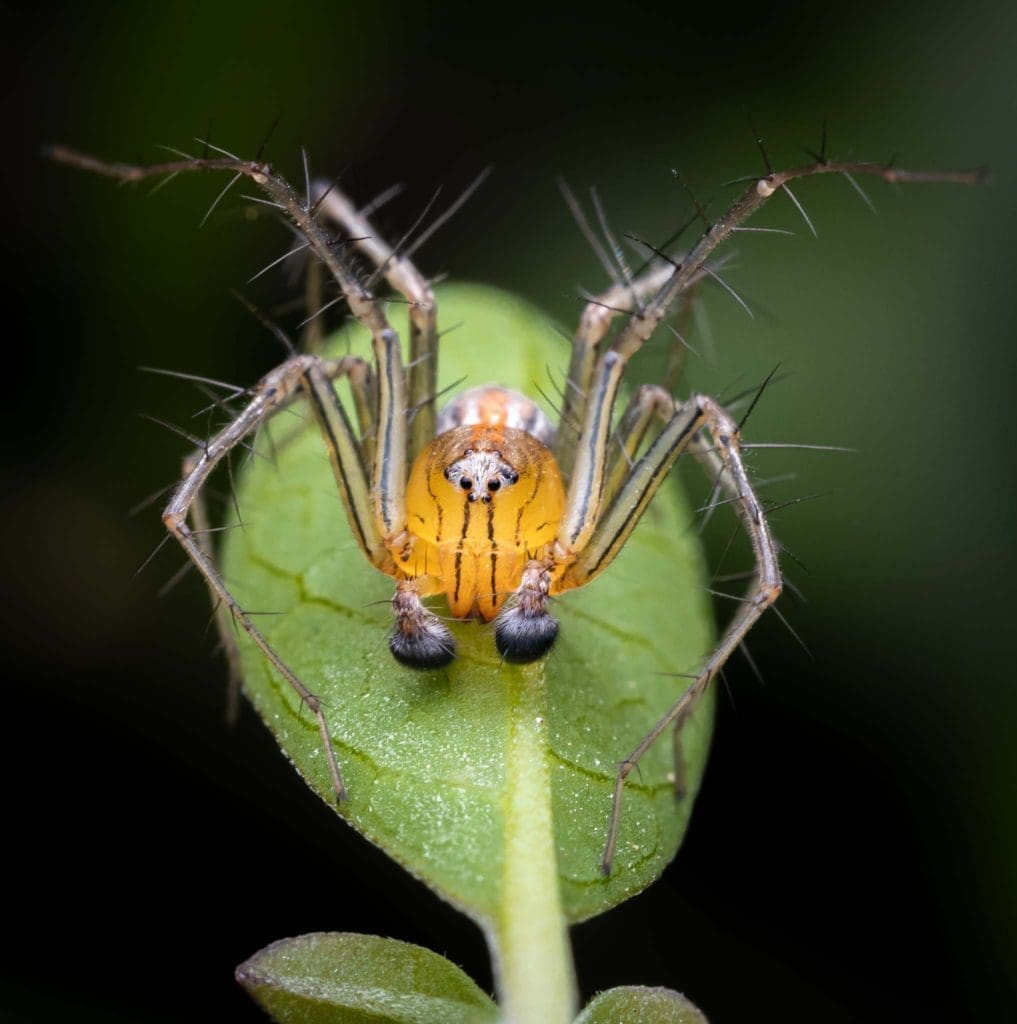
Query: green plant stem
529,937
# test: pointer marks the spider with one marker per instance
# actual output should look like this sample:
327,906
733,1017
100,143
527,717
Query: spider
486,501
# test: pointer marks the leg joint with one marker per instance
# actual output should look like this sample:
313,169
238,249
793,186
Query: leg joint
769,591
176,522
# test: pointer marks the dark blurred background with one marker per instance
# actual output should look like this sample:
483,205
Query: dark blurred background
853,854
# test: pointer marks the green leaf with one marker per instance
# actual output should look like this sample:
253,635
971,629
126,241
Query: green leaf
426,755
340,978
637,1005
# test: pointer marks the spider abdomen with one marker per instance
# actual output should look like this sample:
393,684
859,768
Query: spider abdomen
481,501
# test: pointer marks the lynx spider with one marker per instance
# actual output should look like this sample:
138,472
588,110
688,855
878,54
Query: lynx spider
608,488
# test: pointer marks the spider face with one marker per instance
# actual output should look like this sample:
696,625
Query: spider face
482,471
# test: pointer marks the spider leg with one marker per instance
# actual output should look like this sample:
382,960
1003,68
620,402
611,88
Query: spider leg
420,639
650,402
378,512
275,391
202,525
388,476
594,324
590,483
590,541
313,336
681,773
403,276
722,457
364,389
345,456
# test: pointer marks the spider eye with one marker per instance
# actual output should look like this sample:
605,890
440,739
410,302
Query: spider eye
493,485
466,484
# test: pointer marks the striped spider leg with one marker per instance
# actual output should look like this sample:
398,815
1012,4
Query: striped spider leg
704,428
274,392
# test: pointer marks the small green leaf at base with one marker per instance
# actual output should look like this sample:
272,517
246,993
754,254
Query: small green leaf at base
633,1004
342,978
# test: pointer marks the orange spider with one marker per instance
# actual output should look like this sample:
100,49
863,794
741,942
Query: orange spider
499,510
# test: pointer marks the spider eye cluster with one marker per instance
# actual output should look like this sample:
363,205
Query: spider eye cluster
480,474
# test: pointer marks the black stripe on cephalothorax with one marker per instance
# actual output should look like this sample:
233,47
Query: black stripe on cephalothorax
526,504
459,551
432,495
494,548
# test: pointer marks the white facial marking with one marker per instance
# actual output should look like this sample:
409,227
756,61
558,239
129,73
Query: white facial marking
480,474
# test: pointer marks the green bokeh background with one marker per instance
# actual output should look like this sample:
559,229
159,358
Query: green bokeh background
853,854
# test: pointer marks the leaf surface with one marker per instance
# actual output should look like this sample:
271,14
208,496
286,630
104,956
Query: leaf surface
340,978
639,1005
425,754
